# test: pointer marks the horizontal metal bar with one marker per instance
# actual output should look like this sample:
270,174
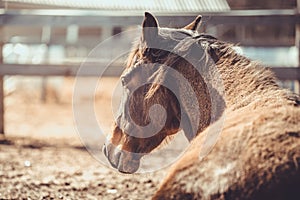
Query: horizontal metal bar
105,18
115,69
78,12
90,41
287,73
60,70
260,42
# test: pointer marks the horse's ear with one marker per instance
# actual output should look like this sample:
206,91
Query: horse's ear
194,24
150,28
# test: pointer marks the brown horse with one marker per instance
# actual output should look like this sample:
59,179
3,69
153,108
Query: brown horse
257,155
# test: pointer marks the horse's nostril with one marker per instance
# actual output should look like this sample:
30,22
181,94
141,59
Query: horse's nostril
104,150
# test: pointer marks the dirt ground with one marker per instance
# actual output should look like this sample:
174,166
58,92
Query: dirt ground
35,169
42,156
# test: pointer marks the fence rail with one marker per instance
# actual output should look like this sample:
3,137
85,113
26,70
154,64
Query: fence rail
103,18
59,70
115,69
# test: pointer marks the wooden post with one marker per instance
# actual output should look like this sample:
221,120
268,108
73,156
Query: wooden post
297,43
45,38
2,109
44,89
1,106
1,85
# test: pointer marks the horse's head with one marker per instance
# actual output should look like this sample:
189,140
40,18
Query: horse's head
149,112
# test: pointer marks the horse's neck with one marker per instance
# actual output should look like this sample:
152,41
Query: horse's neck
246,82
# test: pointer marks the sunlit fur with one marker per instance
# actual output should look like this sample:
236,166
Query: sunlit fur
257,155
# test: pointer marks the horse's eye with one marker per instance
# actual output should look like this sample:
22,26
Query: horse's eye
123,81
135,59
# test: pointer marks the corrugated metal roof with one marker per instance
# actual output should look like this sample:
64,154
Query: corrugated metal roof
136,5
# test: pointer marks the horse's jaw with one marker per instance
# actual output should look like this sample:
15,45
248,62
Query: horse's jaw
123,161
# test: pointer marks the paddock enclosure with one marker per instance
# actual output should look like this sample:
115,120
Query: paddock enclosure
43,45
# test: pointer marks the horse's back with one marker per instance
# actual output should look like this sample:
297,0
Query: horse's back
257,156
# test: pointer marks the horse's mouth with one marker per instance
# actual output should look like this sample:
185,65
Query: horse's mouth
125,162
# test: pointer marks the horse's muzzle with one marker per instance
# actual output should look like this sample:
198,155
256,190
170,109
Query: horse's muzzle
125,162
